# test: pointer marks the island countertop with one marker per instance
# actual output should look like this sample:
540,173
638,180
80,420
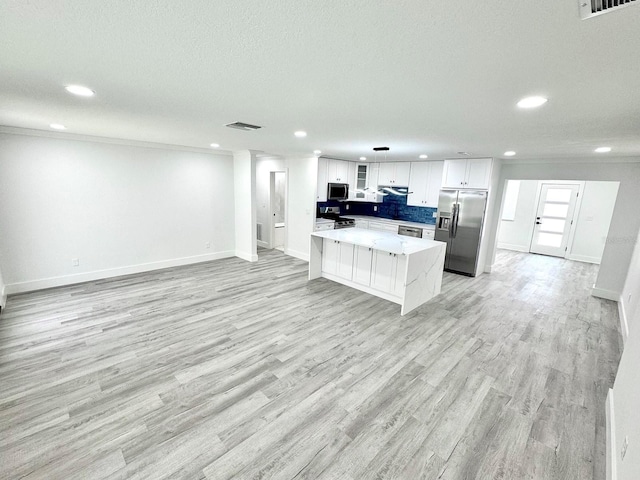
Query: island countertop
377,240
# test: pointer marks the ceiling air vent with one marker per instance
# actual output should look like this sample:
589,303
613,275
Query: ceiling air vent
592,8
242,126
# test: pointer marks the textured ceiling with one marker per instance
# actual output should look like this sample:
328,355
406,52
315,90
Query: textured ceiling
419,76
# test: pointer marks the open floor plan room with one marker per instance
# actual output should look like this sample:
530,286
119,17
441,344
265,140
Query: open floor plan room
238,370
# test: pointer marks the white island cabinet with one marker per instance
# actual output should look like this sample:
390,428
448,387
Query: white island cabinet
403,270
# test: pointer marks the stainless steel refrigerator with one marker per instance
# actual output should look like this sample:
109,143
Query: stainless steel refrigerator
459,223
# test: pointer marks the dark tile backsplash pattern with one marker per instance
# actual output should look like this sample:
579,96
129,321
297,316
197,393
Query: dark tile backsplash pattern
393,207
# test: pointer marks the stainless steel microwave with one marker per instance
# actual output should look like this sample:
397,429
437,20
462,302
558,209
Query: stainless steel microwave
338,191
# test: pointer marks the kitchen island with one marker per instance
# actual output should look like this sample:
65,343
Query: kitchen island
403,270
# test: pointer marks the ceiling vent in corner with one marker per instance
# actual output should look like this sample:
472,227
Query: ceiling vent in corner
592,8
242,126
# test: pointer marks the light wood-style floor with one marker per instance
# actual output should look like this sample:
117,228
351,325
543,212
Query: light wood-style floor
236,370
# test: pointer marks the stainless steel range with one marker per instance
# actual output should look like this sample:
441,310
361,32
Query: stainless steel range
333,213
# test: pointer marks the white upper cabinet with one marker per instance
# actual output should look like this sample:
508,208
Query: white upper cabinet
471,173
394,173
323,165
424,183
338,171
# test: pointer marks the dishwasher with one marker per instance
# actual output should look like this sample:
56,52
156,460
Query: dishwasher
410,231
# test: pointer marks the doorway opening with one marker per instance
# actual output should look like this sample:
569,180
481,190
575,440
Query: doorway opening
566,219
278,193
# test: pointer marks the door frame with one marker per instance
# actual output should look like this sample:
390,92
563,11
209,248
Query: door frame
272,223
572,229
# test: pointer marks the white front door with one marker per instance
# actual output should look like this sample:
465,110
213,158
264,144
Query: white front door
553,219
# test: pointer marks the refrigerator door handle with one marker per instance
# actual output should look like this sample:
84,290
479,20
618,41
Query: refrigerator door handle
454,220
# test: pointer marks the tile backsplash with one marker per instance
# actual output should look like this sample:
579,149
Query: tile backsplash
393,207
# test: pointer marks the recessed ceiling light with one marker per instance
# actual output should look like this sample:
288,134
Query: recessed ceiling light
423,156
532,102
300,134
510,153
603,149
363,158
317,152
215,145
80,90
57,126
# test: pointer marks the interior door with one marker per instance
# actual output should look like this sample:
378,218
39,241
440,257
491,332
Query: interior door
554,217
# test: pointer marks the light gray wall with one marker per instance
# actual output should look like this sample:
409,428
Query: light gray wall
116,208
244,194
3,296
626,390
302,175
516,234
625,222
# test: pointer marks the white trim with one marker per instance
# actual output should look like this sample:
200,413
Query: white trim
606,294
249,257
515,248
63,280
624,325
3,298
263,244
294,253
488,268
113,141
583,258
611,459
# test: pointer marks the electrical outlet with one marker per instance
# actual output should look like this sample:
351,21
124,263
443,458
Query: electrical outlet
375,208
629,298
625,444
346,207
75,262
434,214
208,245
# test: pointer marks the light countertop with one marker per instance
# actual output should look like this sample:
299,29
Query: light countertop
383,241
390,221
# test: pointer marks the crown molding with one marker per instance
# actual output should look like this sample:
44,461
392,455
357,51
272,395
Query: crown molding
108,140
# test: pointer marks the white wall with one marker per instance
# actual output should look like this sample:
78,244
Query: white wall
264,167
625,396
485,255
516,234
592,221
625,222
3,295
244,193
118,209
301,204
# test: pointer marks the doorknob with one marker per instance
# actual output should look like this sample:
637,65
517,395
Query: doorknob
538,223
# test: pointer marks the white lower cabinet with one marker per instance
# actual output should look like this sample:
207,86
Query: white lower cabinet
337,258
388,272
362,265
365,266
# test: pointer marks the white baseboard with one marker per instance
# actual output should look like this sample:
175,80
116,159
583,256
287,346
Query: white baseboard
606,294
612,470
50,282
515,248
488,268
263,244
583,258
294,253
624,325
249,257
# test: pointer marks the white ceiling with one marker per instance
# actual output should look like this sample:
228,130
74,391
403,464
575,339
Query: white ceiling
430,77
